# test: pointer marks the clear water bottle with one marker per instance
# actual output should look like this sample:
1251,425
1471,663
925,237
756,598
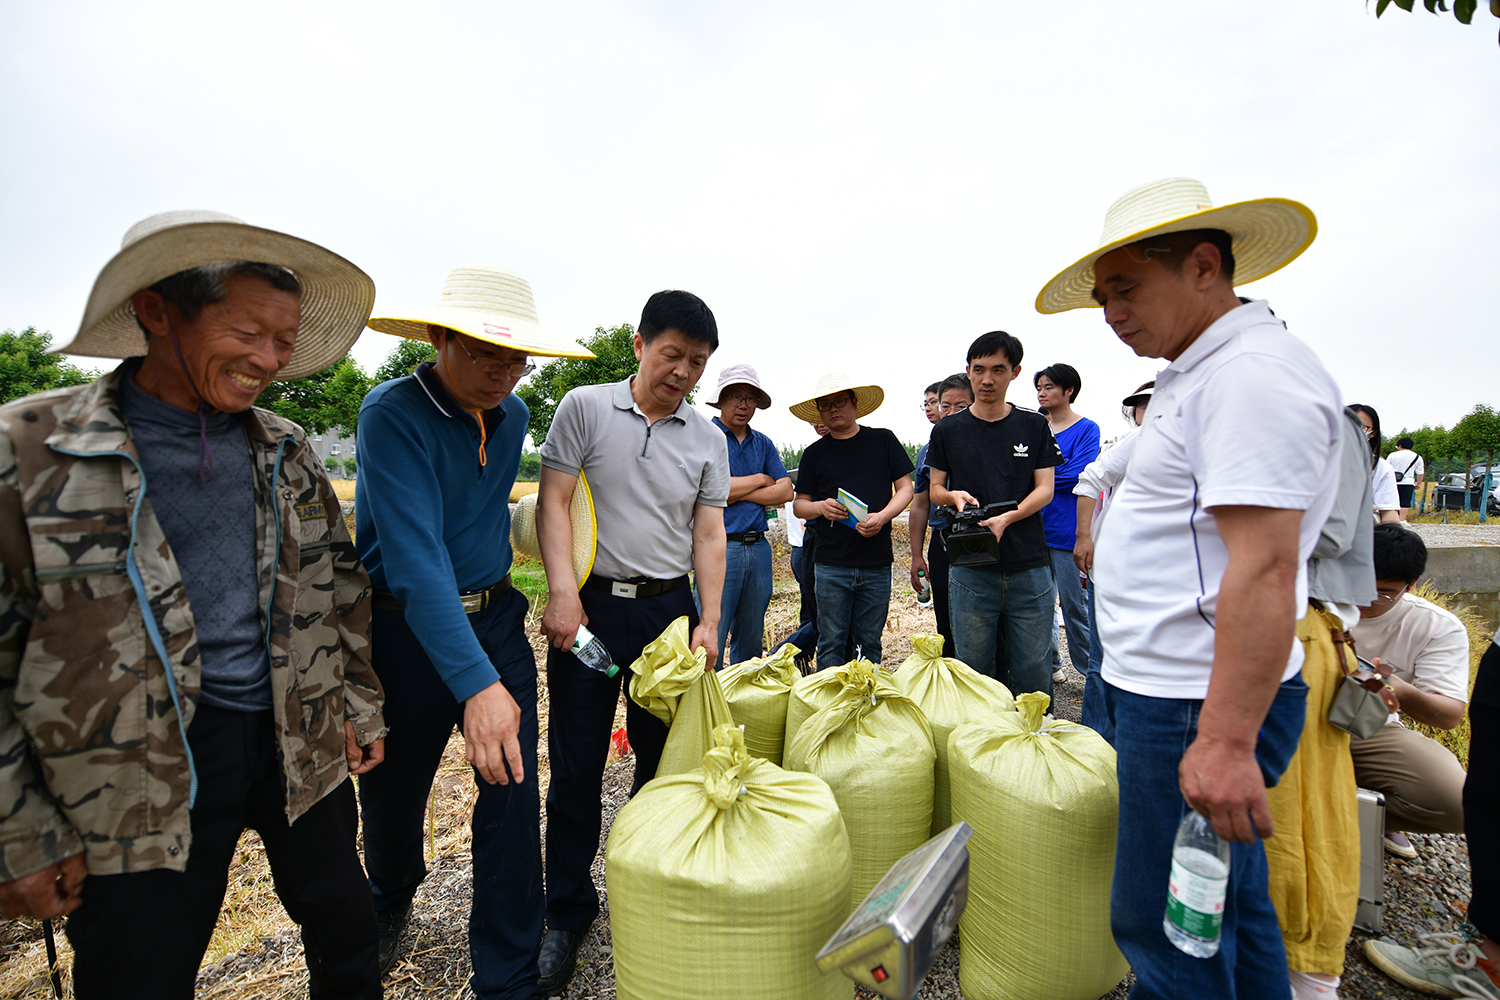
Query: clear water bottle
592,654
924,595
1196,887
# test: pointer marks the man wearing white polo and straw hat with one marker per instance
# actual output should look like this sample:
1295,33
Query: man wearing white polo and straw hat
1201,566
757,480
439,453
867,465
186,644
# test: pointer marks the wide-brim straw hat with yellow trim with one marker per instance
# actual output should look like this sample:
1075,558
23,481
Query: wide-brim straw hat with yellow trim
1266,234
523,538
487,304
336,296
867,398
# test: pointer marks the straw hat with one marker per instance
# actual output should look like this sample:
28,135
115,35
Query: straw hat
1266,234
336,296
585,530
740,375
487,304
868,398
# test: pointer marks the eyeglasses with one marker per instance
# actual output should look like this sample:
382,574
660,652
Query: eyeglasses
494,366
1388,598
824,405
952,407
736,400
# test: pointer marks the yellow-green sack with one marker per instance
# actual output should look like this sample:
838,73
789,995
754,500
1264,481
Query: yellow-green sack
669,682
874,748
725,881
814,691
950,693
1043,800
757,691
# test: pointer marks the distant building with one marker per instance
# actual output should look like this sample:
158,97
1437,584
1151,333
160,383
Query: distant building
333,446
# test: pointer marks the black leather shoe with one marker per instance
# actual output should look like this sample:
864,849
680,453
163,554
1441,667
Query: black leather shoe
391,924
557,961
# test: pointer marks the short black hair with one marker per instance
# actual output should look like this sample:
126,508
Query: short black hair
1172,249
996,342
959,381
1065,377
680,311
1404,443
1400,553
193,290
934,388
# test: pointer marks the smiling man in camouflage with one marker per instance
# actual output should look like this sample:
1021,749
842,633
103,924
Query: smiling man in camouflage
184,624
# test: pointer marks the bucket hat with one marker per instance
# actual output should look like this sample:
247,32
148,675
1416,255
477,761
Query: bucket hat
523,538
336,296
1266,234
867,398
740,375
487,304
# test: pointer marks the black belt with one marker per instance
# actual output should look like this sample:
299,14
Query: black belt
634,588
473,600
748,537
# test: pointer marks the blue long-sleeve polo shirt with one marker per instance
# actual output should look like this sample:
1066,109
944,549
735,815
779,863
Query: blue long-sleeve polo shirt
430,521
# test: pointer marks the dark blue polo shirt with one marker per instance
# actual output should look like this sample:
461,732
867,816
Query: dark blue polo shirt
756,454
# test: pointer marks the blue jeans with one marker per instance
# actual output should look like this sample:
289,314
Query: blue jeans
1151,735
852,605
1095,712
1021,602
1074,609
747,594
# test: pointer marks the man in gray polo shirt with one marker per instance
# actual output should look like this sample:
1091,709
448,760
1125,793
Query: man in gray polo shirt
659,474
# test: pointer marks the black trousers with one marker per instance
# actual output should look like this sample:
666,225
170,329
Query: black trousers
1482,796
581,715
937,577
802,569
505,917
144,934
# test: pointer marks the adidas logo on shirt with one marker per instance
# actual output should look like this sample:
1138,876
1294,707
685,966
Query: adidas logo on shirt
1022,451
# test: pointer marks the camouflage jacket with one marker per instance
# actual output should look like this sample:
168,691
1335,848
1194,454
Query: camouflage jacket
93,753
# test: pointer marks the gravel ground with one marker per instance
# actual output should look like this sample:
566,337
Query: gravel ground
1459,534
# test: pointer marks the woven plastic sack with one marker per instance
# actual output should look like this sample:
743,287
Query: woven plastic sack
815,691
669,682
950,693
874,748
757,691
724,883
1042,798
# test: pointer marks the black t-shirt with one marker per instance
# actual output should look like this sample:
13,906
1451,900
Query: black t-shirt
994,461
865,465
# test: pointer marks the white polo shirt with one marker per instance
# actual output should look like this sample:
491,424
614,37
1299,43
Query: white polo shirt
1245,416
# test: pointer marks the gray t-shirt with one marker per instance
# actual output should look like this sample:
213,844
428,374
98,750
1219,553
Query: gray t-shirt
211,528
645,478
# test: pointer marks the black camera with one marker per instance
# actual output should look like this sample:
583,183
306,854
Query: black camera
969,543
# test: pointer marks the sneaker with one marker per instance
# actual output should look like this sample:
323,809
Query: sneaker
1446,966
1059,675
1306,987
1400,845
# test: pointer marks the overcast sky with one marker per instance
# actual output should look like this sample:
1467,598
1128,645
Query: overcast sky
852,187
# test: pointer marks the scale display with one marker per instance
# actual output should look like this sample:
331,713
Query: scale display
888,943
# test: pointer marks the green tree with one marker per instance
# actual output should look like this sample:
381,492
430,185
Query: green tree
614,360
351,466
326,401
331,463
26,367
403,360
531,467
1477,433
1462,9
791,457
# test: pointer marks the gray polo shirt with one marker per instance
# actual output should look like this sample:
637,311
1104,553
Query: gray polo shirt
645,477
